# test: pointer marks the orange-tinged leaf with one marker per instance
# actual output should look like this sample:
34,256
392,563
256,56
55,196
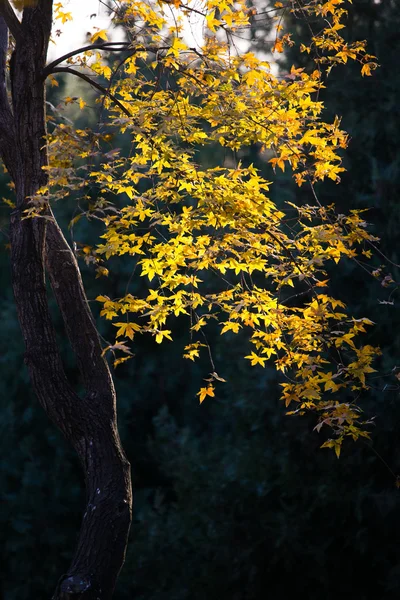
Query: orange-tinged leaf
53,81
119,361
278,47
206,391
366,70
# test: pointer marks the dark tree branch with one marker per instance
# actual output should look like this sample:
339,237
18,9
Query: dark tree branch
94,84
7,146
3,50
66,282
42,354
110,46
13,24
103,537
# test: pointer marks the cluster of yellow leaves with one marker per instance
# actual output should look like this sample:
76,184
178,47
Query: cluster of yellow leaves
327,45
60,13
210,242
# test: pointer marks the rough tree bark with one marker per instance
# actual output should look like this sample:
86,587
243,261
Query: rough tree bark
39,247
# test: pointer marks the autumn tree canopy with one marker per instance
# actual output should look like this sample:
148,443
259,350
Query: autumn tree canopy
210,242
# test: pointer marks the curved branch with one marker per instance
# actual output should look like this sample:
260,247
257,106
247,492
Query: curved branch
94,84
10,18
109,46
103,46
103,537
66,282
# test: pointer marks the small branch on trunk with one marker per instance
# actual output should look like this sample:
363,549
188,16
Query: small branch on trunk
13,24
108,46
66,282
42,355
106,522
94,84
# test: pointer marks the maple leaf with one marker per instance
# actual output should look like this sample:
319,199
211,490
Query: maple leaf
160,335
231,326
206,391
256,360
127,329
63,16
99,35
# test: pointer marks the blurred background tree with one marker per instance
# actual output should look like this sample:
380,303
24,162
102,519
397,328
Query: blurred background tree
234,501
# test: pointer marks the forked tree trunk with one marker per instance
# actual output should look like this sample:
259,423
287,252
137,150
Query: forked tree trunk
38,246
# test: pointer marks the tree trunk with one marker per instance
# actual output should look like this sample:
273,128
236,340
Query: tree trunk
38,246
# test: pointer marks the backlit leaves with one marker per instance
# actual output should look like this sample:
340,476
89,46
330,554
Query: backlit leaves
210,243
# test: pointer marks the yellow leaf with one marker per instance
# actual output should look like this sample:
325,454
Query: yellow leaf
101,272
176,46
127,329
231,326
63,16
119,361
212,22
366,70
206,391
165,333
310,393
256,360
101,34
53,81
335,444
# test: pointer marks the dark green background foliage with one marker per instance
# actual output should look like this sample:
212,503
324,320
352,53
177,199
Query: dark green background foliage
233,499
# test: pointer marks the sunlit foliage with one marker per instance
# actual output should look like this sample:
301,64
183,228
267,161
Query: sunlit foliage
211,244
